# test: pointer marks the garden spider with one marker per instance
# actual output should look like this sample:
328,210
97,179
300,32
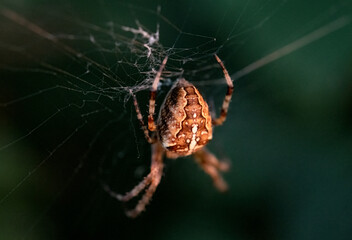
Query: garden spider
184,127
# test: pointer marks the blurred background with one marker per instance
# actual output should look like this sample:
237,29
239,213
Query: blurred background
67,123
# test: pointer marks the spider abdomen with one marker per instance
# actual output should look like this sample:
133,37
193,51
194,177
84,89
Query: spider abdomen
184,123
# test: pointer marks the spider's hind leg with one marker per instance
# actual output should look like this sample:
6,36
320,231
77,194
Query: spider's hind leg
211,165
225,105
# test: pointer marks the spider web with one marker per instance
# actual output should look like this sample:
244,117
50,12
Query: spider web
68,71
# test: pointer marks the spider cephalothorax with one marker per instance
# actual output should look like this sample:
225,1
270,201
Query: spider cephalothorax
183,128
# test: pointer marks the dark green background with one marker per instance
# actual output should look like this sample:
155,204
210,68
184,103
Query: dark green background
288,134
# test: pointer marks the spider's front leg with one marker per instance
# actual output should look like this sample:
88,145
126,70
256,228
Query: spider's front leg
149,183
154,177
211,165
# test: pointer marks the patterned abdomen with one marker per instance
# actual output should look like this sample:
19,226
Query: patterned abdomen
184,123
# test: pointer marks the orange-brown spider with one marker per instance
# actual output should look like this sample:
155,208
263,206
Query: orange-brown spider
184,127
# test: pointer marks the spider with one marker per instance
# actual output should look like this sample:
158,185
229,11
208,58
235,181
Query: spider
183,128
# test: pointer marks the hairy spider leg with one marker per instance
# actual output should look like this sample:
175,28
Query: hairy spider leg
149,183
154,88
124,198
140,119
153,179
131,194
211,165
225,105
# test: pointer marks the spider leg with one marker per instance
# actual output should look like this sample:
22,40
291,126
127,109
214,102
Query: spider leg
147,195
150,183
153,177
154,88
225,105
151,122
140,119
211,165
131,194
